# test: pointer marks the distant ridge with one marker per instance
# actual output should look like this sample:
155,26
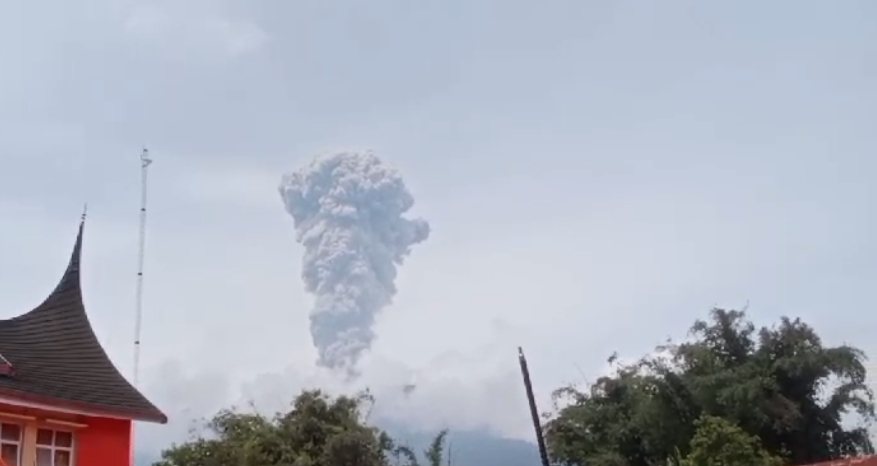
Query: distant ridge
473,447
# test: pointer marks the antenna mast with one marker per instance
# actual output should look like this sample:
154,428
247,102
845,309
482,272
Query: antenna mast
145,161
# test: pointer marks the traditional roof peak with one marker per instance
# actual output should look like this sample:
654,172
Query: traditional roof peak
70,279
58,358
76,256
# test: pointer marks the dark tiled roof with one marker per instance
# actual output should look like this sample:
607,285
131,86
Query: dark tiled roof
57,359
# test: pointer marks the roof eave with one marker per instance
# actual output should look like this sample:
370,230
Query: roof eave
51,403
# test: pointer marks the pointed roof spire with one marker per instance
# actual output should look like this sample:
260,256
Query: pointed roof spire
58,358
73,266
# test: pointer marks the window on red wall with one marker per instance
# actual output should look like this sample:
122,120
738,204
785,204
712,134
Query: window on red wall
54,447
10,443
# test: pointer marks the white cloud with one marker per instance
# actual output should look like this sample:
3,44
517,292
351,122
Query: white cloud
455,392
187,397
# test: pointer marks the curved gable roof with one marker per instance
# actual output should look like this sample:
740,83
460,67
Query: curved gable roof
57,359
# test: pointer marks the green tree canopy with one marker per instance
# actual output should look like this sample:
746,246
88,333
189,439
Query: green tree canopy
317,431
719,442
780,385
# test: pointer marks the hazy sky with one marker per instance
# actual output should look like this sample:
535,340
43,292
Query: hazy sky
598,174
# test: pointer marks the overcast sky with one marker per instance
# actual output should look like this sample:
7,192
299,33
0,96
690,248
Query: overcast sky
598,174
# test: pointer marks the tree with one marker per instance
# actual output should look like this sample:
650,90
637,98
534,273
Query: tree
719,442
317,431
780,385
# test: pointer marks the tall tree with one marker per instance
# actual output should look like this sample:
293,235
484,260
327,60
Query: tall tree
779,384
317,431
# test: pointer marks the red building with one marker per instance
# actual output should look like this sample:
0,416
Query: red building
62,401
870,460
855,461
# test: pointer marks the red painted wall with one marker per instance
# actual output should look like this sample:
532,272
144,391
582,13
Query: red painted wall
105,442
858,461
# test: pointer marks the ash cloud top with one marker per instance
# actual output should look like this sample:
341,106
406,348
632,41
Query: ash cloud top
348,210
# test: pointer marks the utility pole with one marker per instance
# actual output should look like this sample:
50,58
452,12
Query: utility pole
534,413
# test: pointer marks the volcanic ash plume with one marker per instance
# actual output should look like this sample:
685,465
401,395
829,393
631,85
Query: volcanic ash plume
348,213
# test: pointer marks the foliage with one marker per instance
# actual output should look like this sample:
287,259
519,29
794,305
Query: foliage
730,395
719,442
780,385
317,431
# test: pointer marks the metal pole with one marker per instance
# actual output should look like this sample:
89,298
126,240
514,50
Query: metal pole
145,161
534,413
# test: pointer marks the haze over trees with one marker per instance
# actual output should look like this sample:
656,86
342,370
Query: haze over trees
730,395
317,431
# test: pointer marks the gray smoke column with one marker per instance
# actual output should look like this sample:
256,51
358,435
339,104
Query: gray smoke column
348,213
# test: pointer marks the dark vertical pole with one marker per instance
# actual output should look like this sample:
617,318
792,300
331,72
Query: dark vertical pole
537,426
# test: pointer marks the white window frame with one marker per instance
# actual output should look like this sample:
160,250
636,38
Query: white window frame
18,443
53,447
